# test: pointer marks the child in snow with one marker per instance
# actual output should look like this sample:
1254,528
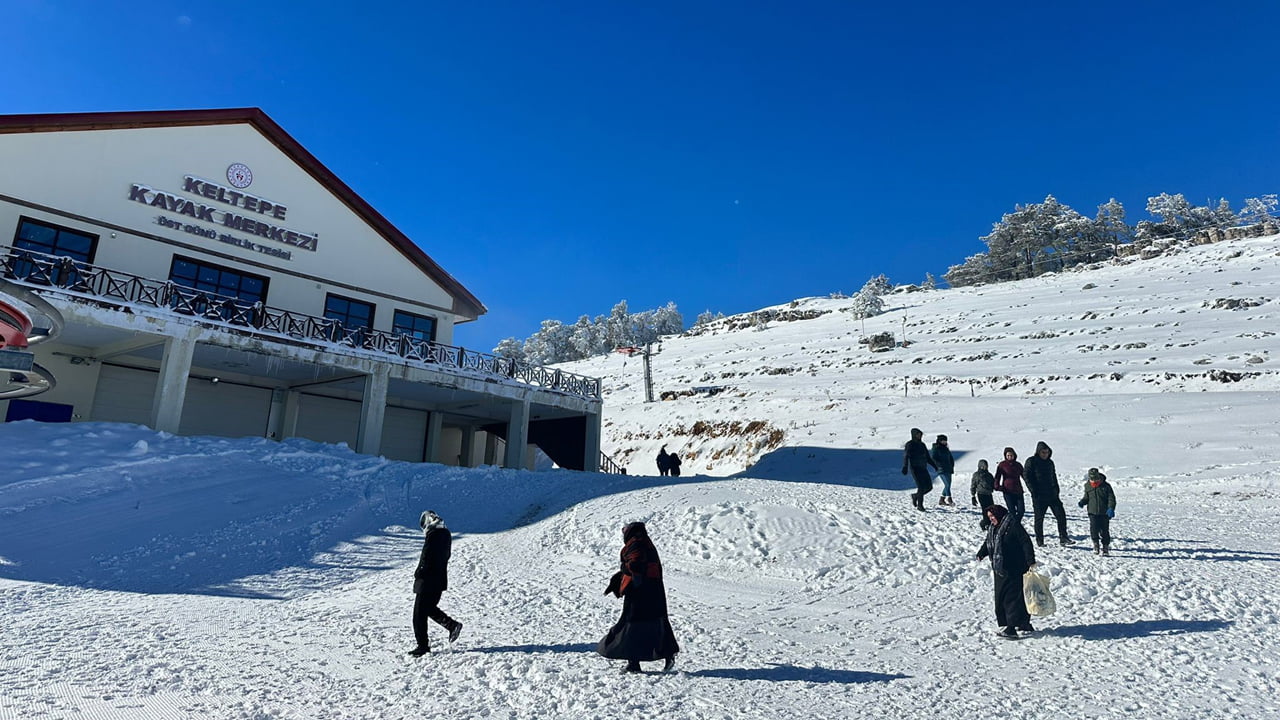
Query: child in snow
980,490
1100,500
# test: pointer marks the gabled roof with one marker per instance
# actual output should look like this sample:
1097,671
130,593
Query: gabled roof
464,303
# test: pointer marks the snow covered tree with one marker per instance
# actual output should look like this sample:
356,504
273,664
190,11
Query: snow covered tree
1111,227
1258,210
550,344
510,348
586,339
1179,218
705,317
878,285
930,282
866,304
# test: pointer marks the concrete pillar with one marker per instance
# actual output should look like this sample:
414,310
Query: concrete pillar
591,443
490,449
171,385
289,418
517,434
372,410
435,426
467,456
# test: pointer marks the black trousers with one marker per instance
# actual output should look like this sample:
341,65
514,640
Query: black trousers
1100,528
1039,507
1011,607
924,483
426,606
1014,503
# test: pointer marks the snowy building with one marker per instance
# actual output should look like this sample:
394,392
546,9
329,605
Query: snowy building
216,279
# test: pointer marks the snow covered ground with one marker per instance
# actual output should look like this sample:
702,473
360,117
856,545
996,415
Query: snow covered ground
149,576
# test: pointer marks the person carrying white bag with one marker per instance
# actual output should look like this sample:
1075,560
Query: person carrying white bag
1035,593
1012,554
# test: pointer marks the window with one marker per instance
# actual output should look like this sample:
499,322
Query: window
50,239
353,316
235,291
418,327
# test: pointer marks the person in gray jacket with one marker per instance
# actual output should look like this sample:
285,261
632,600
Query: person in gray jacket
1100,500
1041,478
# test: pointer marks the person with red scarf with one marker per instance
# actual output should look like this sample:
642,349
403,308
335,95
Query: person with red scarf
1100,500
643,632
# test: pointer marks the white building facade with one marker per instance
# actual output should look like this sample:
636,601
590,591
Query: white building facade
216,279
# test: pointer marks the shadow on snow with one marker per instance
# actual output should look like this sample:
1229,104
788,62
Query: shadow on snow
793,673
1138,629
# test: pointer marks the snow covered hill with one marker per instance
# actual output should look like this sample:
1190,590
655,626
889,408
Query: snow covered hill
149,576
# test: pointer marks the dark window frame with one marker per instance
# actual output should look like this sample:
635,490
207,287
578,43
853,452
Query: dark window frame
346,332
218,289
66,276
396,327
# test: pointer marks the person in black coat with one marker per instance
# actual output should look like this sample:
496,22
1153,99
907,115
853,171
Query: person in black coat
915,457
664,461
643,632
430,580
674,460
1041,478
945,462
1012,554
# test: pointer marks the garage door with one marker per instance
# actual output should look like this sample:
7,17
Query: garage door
223,409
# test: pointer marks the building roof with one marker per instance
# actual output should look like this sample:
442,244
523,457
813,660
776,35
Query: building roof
465,304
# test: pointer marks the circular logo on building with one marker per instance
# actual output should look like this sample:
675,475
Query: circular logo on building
239,175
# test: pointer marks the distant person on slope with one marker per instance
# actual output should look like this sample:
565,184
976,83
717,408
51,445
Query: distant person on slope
430,580
940,453
1100,500
1012,554
664,462
915,457
1009,483
674,460
1042,482
980,489
643,632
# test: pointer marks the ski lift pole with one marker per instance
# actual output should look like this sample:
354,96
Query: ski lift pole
648,374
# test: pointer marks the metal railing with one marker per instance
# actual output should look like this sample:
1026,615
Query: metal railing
41,270
608,465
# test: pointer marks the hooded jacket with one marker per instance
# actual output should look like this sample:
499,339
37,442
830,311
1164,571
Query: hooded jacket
1098,499
1040,474
1008,546
432,572
1009,474
942,459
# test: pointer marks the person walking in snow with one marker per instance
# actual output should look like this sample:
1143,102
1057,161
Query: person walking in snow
915,457
1009,482
1100,501
643,632
940,453
430,580
1011,553
674,461
980,490
1042,482
664,461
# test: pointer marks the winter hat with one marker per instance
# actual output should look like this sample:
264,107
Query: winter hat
429,520
1095,476
942,438
917,433
982,464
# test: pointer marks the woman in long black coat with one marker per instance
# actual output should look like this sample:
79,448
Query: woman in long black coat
1012,554
644,631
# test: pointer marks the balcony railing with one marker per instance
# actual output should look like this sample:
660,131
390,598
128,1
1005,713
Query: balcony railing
42,270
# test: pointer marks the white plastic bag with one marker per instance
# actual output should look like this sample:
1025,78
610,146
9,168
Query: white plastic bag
1035,590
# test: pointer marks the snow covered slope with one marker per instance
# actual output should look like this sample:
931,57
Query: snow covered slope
149,576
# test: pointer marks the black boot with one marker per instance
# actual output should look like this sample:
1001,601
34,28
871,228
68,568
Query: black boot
633,666
455,629
420,651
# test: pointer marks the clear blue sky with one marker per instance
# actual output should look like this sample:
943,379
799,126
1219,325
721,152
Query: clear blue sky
557,157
